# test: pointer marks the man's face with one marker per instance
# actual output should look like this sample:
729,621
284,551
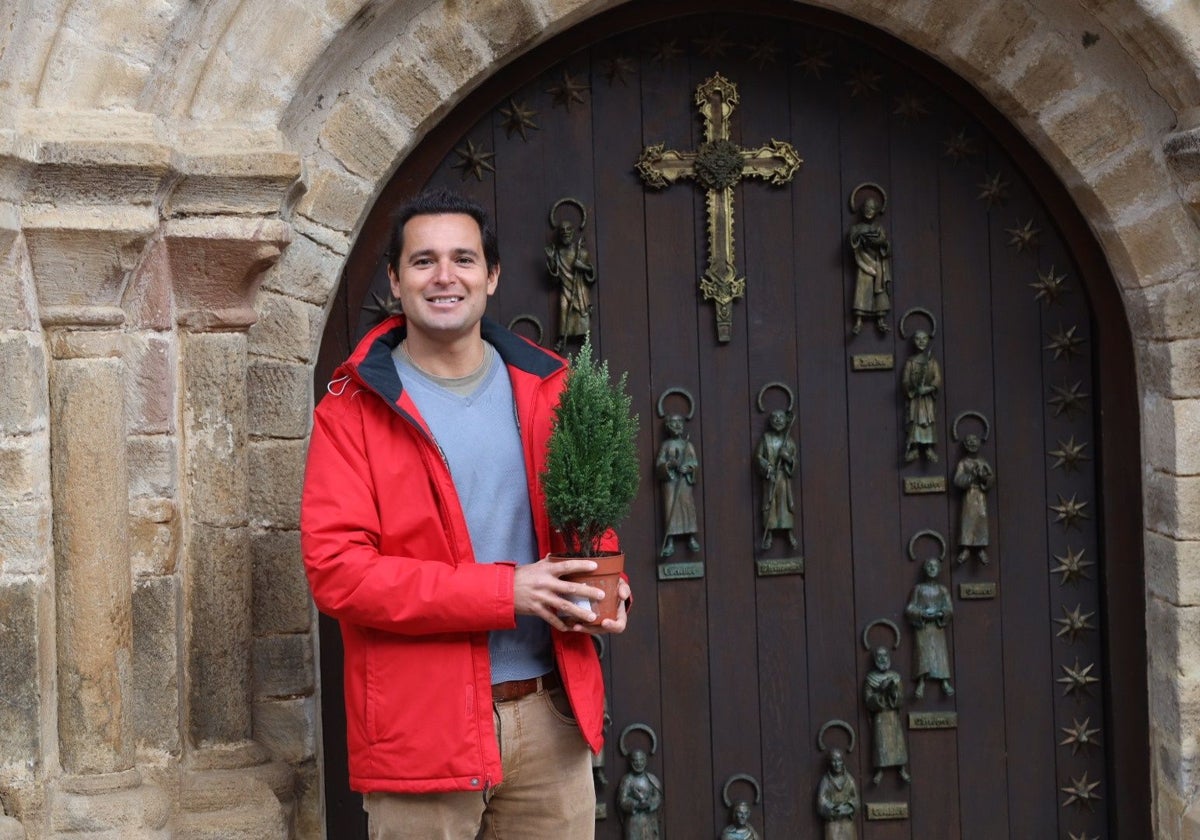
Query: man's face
441,277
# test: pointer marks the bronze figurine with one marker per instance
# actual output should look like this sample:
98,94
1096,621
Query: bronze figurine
921,380
739,812
640,793
872,259
676,467
974,476
568,263
883,692
775,459
837,794
929,610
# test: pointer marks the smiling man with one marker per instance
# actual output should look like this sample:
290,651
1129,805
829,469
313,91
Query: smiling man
473,691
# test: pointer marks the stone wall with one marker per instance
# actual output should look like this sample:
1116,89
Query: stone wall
180,183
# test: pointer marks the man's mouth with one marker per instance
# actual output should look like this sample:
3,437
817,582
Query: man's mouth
445,299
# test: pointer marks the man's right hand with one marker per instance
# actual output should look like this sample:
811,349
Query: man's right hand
538,589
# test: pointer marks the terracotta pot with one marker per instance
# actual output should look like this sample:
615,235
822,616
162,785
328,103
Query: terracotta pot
607,576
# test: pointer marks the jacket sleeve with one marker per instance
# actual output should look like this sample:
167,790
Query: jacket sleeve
341,534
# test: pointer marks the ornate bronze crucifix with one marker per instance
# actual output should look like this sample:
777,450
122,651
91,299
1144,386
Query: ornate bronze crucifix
718,165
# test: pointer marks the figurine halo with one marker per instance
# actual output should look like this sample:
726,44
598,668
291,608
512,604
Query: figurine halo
568,200
919,310
928,532
634,727
781,386
871,185
987,427
887,623
841,724
682,392
741,777
532,319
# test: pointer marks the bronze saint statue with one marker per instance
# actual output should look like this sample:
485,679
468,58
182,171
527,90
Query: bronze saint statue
740,829
883,692
776,462
929,610
872,260
837,799
676,467
921,380
974,477
640,797
568,263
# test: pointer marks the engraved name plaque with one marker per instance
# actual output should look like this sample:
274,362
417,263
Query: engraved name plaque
872,361
680,571
933,720
887,810
916,485
780,566
976,591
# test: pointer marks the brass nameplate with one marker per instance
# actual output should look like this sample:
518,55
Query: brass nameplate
916,485
873,361
887,810
933,720
976,591
782,566
680,571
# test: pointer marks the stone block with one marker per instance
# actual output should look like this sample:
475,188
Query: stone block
1173,569
456,57
1175,631
84,72
1171,367
214,426
18,301
1172,434
1073,130
23,395
24,468
282,603
337,200
148,301
287,328
150,384
276,480
1161,247
154,537
1131,182
287,727
1173,505
506,25
25,533
230,92
153,466
310,814
21,659
252,175
280,396
283,666
1052,71
219,613
309,270
10,829
156,664
1166,312
404,85
363,137
995,36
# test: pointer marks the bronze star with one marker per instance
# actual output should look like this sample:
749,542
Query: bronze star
908,106
618,69
1068,399
713,45
1072,567
1068,455
1065,343
1081,792
1080,736
666,50
1074,622
1070,511
1049,286
474,160
518,118
814,61
763,53
960,146
1024,237
1077,679
567,91
994,190
865,80
384,307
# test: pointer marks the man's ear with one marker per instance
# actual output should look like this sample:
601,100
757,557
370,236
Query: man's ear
493,279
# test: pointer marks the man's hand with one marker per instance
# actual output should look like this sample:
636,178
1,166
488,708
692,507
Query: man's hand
611,625
538,589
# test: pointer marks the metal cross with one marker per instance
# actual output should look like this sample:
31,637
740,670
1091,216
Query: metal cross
718,165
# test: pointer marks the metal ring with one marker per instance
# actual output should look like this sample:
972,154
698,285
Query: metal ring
632,728
928,532
987,428
886,622
741,777
919,310
577,203
683,392
839,723
763,390
874,186
533,319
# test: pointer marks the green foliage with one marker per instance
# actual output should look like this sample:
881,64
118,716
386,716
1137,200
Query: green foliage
591,475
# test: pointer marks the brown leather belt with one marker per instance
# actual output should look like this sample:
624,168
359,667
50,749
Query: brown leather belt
516,689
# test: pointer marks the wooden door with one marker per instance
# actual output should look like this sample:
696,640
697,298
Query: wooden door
735,667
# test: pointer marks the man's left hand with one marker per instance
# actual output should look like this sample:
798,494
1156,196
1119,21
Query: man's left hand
610,625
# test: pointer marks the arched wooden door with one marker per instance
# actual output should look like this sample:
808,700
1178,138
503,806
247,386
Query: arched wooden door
736,658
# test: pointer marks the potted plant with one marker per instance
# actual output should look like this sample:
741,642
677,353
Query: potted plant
591,475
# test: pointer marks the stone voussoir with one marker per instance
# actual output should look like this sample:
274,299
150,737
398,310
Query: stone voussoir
280,398
286,329
363,137
276,478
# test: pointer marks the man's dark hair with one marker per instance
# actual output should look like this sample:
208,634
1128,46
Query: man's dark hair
435,201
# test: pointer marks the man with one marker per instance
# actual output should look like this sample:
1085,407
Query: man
473,690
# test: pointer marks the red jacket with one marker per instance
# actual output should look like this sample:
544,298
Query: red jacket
387,554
